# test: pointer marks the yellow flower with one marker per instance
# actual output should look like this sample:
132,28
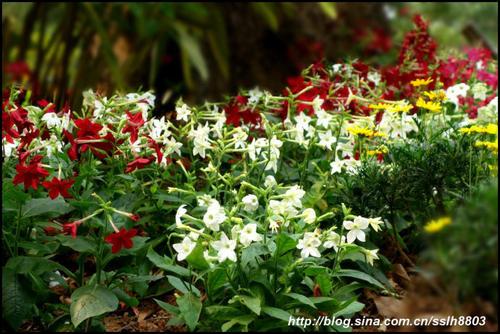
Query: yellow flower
491,145
439,95
380,106
437,225
421,82
431,106
380,150
400,107
365,132
489,128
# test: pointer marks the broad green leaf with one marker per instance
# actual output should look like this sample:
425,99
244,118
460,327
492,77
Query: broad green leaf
301,298
190,309
31,264
284,243
125,297
276,313
253,303
167,307
165,263
223,312
191,47
182,286
216,279
361,276
243,320
325,283
79,244
91,301
42,206
351,308
17,299
196,258
329,9
250,254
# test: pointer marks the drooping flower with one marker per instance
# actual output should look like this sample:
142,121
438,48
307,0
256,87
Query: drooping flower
184,248
181,211
120,239
370,255
309,215
72,228
355,229
375,223
31,174
269,181
57,186
225,248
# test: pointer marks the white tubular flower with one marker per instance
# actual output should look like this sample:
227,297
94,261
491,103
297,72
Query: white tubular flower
374,77
54,146
100,108
52,120
248,234
184,248
158,128
251,203
214,216
270,181
219,125
181,211
240,137
336,166
200,139
336,67
9,149
309,245
254,95
355,229
479,91
326,140
225,248
205,200
323,119
294,196
302,122
370,254
183,113
375,223
317,104
333,240
171,146
194,235
453,92
309,215
274,224
351,165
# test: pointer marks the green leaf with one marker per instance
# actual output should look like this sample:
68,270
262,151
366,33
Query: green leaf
267,13
79,244
12,196
301,298
351,308
276,313
91,301
191,48
196,258
31,264
329,9
17,300
251,253
361,276
167,307
165,263
284,243
42,206
125,297
182,286
253,303
243,320
190,309
216,279
325,284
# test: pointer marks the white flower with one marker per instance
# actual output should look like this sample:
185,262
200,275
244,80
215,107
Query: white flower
100,108
351,165
158,128
323,118
255,147
326,140
370,254
219,125
52,120
194,235
309,245
171,146
54,145
205,200
181,211
201,139
9,148
239,137
251,203
248,234
374,77
333,240
270,181
183,112
184,248
274,224
254,95
453,92
479,91
355,229
302,122
214,216
225,248
336,166
375,223
309,215
317,103
336,67
294,196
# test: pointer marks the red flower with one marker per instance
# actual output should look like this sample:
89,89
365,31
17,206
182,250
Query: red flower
87,129
56,187
120,239
30,174
134,122
138,163
71,228
44,103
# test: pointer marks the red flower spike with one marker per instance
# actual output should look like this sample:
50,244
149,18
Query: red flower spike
121,239
57,186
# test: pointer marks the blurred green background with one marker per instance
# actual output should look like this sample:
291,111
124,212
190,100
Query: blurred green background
207,50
